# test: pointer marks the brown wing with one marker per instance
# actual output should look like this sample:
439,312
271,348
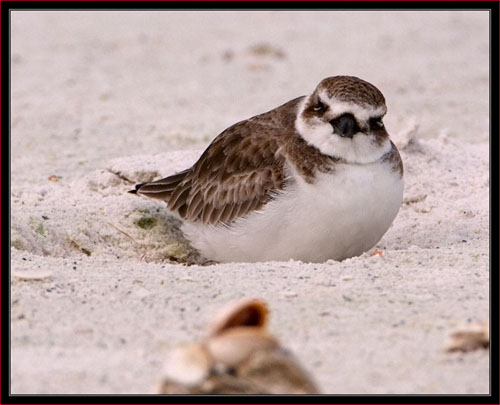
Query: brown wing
236,174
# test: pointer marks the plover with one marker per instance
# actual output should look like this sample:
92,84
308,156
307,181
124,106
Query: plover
316,178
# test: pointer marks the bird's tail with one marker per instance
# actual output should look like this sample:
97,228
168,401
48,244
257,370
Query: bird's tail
160,189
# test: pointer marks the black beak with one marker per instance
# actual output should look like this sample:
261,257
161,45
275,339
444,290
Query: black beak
345,126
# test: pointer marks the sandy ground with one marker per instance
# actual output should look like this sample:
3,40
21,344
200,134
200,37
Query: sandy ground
102,100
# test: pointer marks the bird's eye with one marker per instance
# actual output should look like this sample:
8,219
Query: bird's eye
376,123
320,106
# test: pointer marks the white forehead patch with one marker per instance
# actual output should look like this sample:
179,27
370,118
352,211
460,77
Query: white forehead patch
362,113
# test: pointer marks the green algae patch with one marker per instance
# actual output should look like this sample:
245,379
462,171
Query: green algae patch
40,229
18,244
175,251
146,222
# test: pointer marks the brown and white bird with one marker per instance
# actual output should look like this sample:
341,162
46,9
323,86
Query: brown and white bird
315,179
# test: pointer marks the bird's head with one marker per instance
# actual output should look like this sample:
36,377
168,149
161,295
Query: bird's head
343,118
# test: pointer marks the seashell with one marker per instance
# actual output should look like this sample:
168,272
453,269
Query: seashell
238,356
32,275
236,345
245,312
187,365
222,384
276,371
470,337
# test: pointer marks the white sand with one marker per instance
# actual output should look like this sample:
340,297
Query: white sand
102,98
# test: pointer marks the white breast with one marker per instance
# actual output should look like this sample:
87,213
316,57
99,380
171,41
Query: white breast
341,215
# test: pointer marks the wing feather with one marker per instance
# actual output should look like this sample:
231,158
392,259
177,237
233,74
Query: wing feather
195,207
180,196
239,172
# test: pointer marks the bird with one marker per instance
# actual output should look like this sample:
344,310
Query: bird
314,179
